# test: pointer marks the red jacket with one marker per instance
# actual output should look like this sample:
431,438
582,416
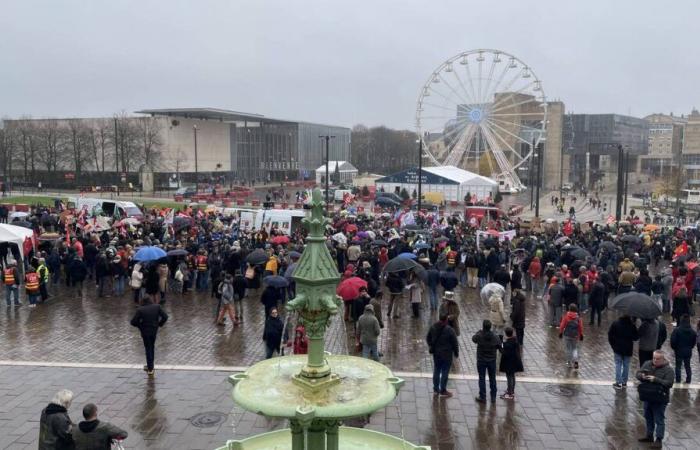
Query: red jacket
535,269
569,316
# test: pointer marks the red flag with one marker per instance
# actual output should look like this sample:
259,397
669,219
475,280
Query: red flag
568,228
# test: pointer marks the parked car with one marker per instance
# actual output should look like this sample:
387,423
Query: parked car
389,195
186,192
387,202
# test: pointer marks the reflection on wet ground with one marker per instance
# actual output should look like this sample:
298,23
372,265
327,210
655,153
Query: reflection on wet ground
157,413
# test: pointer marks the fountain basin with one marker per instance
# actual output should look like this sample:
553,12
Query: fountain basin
267,388
350,439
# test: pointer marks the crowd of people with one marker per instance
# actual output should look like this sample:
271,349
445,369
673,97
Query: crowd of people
577,270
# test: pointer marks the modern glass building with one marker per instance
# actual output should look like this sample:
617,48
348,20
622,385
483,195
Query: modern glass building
248,146
594,140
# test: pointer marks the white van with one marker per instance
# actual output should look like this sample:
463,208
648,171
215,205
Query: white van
105,207
339,194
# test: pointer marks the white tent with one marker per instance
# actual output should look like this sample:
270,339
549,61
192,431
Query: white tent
452,181
15,235
347,171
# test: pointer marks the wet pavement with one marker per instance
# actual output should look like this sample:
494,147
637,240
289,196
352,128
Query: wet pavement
557,409
158,414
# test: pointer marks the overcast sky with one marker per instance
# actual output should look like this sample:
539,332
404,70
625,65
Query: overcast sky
340,62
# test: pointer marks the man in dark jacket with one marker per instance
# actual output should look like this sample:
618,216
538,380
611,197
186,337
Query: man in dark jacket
487,347
656,371
556,298
148,319
395,284
596,300
272,334
92,434
433,283
517,315
621,336
683,340
55,425
442,343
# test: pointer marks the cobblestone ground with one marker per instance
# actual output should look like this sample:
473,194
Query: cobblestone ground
157,413
86,329
558,409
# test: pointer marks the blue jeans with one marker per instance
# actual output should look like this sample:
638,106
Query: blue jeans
33,298
622,368
119,286
370,351
654,413
433,298
9,292
202,280
482,367
441,371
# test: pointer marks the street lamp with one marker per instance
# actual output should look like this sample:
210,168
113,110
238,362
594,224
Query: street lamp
420,173
328,140
196,161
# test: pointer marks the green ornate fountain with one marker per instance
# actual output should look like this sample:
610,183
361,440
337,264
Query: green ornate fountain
315,392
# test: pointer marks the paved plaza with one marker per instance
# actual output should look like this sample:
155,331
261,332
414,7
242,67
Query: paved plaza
95,353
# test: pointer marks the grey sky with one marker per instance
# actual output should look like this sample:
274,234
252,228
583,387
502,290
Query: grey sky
341,62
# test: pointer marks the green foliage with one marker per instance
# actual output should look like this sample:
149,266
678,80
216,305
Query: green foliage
404,194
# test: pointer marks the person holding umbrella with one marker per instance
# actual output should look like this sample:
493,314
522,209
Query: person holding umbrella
621,336
396,285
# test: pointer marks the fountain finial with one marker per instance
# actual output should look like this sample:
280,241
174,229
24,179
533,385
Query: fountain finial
316,278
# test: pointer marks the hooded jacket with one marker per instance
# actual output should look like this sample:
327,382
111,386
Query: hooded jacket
96,435
55,428
368,327
621,336
683,339
442,341
487,346
568,317
535,269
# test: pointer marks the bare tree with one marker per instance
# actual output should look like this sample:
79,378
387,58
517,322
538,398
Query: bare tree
99,143
52,139
126,142
149,129
78,137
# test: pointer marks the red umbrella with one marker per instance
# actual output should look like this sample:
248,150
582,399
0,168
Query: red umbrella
349,289
280,240
350,228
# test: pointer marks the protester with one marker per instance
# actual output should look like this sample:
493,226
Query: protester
443,345
511,362
656,380
621,336
94,434
488,345
148,319
272,334
368,330
571,330
55,426
683,340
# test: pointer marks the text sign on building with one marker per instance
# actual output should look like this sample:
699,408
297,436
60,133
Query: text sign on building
410,176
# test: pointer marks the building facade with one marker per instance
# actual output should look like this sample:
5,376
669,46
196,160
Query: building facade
593,141
665,141
691,149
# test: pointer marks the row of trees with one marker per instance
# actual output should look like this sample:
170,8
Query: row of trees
119,144
383,150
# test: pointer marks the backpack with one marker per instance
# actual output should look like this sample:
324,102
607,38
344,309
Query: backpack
571,328
227,292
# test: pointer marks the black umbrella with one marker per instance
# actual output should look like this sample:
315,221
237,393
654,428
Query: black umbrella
178,252
257,257
628,238
276,281
399,265
636,304
608,245
182,222
379,242
440,239
448,280
580,253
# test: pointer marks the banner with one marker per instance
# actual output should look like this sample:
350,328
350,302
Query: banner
502,235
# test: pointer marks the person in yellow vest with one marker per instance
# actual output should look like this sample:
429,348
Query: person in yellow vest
31,285
271,266
202,265
44,277
10,278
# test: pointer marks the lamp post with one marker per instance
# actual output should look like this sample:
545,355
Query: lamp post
627,172
196,161
420,174
538,155
328,140
620,182
530,178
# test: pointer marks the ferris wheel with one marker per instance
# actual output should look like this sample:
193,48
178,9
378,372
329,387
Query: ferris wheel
483,110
